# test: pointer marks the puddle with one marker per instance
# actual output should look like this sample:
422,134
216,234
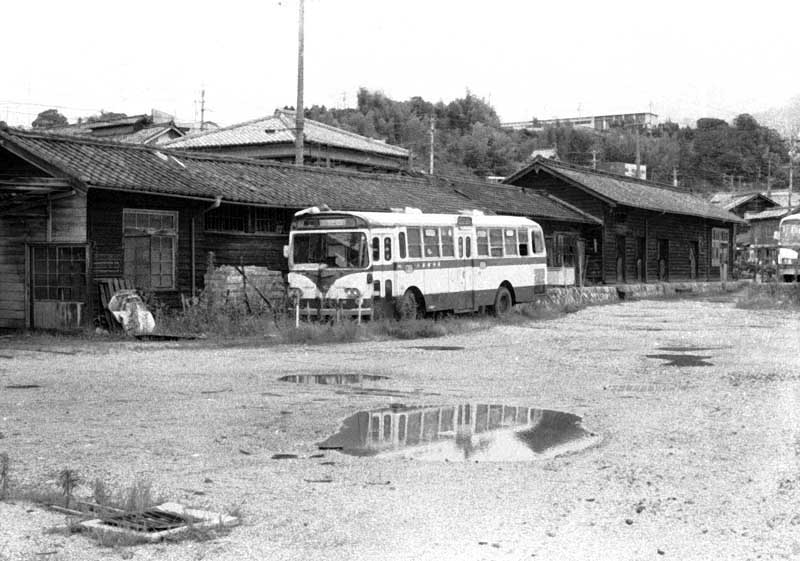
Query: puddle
458,433
438,348
683,360
331,379
23,386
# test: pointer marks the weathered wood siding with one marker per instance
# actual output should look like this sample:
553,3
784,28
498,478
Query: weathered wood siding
632,223
564,191
65,222
106,236
262,250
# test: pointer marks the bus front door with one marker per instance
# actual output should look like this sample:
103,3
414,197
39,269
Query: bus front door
461,276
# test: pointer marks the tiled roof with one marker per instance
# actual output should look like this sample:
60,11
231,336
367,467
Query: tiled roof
280,128
111,165
730,201
779,212
628,191
510,199
141,136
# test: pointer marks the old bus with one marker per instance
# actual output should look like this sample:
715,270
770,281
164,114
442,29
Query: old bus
411,263
788,246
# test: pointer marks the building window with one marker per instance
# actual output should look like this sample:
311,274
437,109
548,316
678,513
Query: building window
236,219
59,273
150,240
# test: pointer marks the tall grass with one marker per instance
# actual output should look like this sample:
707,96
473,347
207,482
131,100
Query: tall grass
770,296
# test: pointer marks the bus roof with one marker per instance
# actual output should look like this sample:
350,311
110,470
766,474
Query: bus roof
412,217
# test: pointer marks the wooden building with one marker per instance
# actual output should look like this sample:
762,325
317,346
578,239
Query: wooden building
273,138
650,232
74,210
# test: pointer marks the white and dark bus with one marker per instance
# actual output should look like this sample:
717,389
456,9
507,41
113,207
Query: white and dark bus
354,263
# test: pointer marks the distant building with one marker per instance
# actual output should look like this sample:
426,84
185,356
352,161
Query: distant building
550,153
623,168
273,138
154,129
596,122
741,203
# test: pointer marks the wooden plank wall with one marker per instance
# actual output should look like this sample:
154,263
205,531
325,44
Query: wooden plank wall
67,224
106,235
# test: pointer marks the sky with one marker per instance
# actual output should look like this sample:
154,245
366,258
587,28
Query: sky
681,59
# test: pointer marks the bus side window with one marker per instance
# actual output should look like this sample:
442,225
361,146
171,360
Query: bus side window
460,246
469,247
522,239
496,242
448,249
483,241
414,243
376,249
510,237
430,236
402,243
538,241
387,249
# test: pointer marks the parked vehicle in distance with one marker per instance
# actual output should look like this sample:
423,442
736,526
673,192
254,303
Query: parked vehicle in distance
410,263
788,246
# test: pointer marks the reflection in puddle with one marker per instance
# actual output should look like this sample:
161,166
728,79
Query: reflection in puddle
465,432
439,348
683,360
340,379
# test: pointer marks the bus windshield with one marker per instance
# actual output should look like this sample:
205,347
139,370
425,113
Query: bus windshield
340,250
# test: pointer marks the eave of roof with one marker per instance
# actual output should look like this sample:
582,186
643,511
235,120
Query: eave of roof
628,191
158,171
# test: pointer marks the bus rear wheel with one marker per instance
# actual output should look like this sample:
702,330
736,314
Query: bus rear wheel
408,307
502,302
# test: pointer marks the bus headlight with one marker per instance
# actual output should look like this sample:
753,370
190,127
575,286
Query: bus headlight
353,293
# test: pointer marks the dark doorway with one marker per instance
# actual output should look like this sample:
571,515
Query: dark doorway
663,260
620,258
641,251
694,253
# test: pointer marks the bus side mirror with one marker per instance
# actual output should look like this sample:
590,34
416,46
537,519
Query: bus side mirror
286,251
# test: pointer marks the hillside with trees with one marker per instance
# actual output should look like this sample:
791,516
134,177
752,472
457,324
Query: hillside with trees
470,142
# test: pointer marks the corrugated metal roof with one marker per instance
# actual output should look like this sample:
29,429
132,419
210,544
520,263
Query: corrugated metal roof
280,128
629,191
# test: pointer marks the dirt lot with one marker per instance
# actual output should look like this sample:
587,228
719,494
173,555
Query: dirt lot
695,462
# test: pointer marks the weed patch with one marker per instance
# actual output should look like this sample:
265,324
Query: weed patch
769,296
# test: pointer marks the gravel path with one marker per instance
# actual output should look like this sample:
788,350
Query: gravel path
694,462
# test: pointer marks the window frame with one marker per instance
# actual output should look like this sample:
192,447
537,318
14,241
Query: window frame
136,232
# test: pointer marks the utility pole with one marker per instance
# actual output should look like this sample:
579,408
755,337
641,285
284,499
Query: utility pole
203,109
433,134
299,111
769,174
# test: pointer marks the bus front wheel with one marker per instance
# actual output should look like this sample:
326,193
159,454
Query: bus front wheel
408,307
502,302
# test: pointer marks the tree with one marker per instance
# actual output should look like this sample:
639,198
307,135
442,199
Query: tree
49,118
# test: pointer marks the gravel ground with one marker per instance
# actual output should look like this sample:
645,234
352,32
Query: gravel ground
694,462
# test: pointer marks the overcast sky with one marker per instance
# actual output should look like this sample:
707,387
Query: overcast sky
680,59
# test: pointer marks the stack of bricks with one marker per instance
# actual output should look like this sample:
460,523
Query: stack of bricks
225,285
